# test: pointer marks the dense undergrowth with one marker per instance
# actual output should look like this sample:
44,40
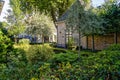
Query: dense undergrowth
42,62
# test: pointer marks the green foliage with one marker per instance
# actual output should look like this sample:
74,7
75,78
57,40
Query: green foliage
53,7
37,53
4,42
102,65
17,65
15,18
64,71
25,64
84,19
16,29
25,47
5,47
15,4
94,66
45,71
53,44
23,72
59,50
24,41
3,26
108,65
40,24
110,13
64,57
113,47
71,43
16,58
64,66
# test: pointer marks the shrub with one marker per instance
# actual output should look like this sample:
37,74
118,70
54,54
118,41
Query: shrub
37,53
64,57
64,71
14,58
17,65
59,50
25,47
5,43
17,56
6,46
113,47
24,72
53,44
107,65
70,43
24,41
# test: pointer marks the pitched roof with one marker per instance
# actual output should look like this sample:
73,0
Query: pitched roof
64,16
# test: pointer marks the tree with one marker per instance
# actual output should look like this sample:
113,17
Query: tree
15,25
39,24
110,12
74,17
15,19
53,7
83,19
5,47
3,26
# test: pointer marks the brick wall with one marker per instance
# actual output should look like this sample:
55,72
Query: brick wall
102,42
118,38
84,42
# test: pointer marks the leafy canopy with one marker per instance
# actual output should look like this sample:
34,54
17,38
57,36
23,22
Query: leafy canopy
110,12
83,18
15,19
39,24
53,7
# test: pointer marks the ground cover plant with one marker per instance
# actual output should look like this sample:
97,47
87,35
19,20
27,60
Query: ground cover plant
103,65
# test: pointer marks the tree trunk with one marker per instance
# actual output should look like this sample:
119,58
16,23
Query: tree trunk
15,39
115,38
65,39
79,46
42,39
57,34
86,42
68,39
93,43
53,16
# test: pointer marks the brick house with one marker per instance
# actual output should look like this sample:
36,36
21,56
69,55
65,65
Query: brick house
100,41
